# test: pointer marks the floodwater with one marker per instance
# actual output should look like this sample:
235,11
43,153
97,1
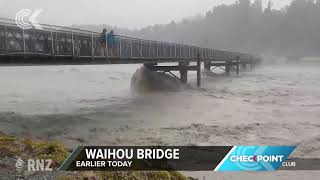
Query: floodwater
272,105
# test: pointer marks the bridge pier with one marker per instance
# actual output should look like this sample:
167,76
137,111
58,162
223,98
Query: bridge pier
228,68
229,65
207,65
251,63
244,66
182,68
237,64
198,73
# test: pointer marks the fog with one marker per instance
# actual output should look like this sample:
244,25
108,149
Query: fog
122,13
291,32
261,27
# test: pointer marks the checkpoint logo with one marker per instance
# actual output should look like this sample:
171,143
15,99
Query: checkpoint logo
255,158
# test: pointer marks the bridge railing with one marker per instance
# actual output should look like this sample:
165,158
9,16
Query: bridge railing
65,41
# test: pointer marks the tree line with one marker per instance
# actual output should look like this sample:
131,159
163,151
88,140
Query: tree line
293,31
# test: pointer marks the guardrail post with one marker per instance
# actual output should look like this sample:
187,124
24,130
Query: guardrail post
237,65
131,48
6,39
163,50
185,52
198,71
106,52
24,43
149,51
52,43
120,47
202,53
141,48
92,48
157,49
72,41
194,52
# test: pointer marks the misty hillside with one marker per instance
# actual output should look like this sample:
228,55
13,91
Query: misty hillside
292,31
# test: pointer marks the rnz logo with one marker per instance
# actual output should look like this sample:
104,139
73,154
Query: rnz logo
34,165
39,165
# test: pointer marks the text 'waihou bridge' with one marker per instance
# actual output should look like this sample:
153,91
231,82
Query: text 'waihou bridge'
56,45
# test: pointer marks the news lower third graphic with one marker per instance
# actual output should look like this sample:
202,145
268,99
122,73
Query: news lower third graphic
186,158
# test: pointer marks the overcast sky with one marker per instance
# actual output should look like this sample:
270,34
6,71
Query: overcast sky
122,13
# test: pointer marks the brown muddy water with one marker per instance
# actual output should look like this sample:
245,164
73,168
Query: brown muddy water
272,105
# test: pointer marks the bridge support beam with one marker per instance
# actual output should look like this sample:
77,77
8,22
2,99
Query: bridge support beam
228,68
229,65
244,66
182,68
183,72
199,71
237,64
6,39
207,65
251,63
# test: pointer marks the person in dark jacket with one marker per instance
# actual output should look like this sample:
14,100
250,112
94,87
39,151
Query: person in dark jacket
111,43
102,42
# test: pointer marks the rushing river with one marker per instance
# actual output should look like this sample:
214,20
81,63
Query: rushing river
272,105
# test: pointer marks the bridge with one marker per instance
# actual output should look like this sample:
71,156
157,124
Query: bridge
57,45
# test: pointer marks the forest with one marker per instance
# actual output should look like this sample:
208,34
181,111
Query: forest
293,31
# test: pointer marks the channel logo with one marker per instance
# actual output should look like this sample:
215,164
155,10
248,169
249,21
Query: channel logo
27,19
255,158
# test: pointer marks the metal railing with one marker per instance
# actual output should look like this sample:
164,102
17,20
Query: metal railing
64,41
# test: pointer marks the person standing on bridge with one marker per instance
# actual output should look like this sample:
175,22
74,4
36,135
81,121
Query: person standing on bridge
111,43
102,42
